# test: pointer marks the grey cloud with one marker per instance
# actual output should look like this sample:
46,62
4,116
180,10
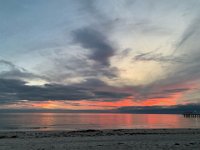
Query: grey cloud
149,27
78,67
192,29
18,74
126,52
100,48
176,90
188,70
15,90
155,93
94,64
12,91
14,72
8,64
110,95
92,83
158,57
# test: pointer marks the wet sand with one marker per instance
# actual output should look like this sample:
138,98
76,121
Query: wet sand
122,139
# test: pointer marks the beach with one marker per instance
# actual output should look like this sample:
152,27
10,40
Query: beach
123,139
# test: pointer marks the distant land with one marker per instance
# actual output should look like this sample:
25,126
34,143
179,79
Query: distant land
177,109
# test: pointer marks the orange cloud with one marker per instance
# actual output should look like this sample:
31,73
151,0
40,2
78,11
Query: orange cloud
169,101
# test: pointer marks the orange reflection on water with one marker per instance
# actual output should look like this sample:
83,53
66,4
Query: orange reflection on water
108,121
77,121
173,121
112,120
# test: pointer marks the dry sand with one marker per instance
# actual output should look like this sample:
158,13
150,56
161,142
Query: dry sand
134,139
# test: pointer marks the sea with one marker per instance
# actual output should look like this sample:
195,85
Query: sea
84,121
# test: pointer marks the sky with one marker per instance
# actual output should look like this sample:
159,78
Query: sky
99,55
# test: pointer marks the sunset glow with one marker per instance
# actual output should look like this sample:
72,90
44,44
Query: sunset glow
99,55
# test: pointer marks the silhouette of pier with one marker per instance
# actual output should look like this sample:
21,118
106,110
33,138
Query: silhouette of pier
191,115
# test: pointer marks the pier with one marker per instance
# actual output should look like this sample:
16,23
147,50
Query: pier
191,115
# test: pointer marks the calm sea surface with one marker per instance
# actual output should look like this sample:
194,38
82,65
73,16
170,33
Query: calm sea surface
76,121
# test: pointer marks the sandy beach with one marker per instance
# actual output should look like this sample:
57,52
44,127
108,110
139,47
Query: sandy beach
133,139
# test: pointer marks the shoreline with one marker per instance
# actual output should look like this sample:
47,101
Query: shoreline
123,139
96,132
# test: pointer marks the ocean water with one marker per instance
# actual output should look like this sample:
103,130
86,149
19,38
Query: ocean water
81,121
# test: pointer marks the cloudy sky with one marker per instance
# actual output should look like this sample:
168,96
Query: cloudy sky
99,54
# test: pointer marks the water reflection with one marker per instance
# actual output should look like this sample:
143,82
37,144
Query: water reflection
74,121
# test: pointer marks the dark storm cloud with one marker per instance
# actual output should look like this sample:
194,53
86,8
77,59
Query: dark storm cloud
8,89
100,48
92,89
12,90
